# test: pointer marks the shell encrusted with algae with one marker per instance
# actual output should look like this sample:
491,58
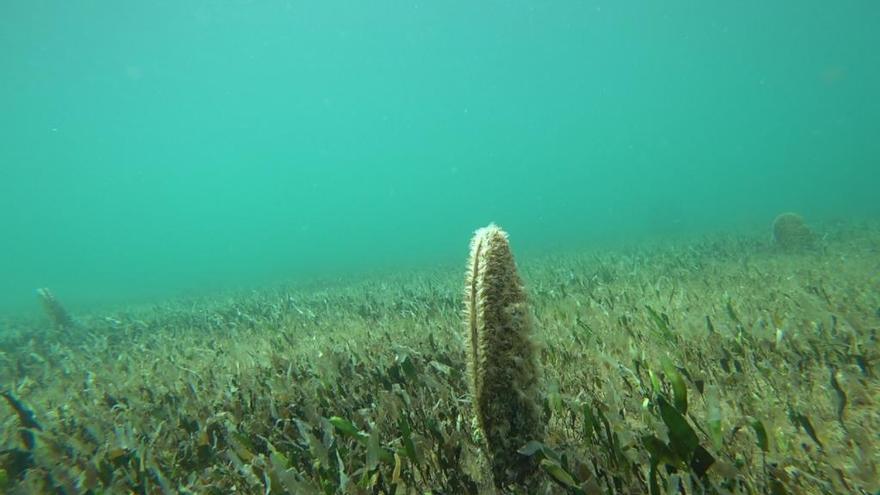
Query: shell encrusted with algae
501,357
791,233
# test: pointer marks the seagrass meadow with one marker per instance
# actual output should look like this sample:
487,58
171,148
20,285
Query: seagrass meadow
718,365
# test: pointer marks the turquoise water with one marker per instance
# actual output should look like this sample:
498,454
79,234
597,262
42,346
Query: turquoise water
151,149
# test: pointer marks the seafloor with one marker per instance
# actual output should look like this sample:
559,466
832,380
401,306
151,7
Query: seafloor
715,365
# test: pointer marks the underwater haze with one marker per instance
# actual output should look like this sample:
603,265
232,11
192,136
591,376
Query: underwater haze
153,149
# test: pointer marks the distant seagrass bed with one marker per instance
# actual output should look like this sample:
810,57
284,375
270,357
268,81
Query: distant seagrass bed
725,364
